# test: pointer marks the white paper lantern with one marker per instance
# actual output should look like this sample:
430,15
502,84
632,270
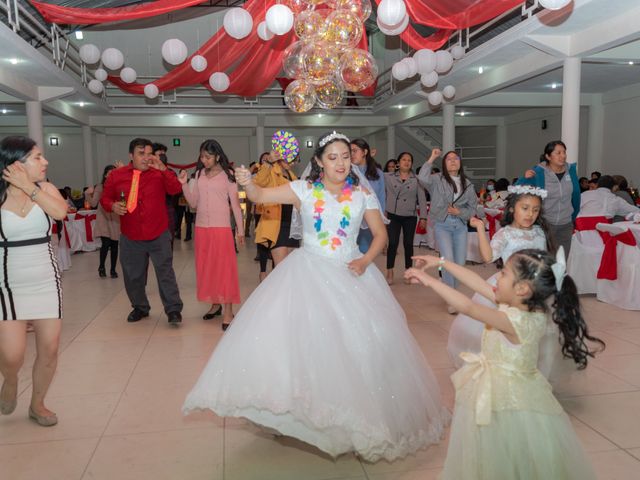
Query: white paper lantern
435,98
429,79
449,92
400,71
89,54
112,58
199,63
219,81
128,75
457,52
391,30
444,61
237,23
263,32
425,60
279,19
100,74
95,86
411,65
151,91
391,12
554,4
174,51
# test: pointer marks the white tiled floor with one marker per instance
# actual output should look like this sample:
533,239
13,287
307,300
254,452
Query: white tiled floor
120,386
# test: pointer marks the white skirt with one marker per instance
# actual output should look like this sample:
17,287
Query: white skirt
321,355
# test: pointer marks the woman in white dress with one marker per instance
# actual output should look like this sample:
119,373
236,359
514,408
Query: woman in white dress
321,350
31,287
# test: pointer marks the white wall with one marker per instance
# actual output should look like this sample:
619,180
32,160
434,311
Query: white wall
621,133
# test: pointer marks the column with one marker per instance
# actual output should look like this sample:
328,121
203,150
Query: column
87,151
571,107
102,153
595,136
34,122
259,142
501,151
391,142
448,127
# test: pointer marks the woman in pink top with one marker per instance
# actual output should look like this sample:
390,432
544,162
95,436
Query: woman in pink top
212,191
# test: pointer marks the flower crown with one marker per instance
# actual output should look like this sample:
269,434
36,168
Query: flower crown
332,136
527,190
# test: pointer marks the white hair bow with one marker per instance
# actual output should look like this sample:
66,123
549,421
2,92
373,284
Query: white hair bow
559,268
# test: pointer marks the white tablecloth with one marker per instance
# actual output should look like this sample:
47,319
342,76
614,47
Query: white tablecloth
76,227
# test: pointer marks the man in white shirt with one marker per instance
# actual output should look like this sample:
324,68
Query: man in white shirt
601,202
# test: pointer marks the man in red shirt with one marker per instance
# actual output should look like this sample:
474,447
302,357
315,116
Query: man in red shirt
137,193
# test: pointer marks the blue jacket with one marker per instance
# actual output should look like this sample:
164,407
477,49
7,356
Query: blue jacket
538,181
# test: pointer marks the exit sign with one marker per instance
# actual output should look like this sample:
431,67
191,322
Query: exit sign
176,142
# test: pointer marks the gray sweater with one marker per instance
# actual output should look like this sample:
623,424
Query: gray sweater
403,197
442,196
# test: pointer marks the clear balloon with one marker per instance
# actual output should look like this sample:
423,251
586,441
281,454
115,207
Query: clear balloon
358,69
343,28
329,94
314,2
298,6
362,8
300,96
321,61
293,60
309,25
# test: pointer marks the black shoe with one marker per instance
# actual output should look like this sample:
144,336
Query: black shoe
210,315
114,274
102,273
136,315
187,239
174,318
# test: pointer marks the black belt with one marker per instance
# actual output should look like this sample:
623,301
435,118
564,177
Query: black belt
25,243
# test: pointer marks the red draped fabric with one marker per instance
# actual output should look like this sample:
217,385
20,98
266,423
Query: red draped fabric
609,262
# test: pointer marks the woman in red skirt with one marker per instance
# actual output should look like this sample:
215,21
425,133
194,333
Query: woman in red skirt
211,192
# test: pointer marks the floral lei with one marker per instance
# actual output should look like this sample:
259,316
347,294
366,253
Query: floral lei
345,196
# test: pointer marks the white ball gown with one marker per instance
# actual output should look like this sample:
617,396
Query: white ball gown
325,356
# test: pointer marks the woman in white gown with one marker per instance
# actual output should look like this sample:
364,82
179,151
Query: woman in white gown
321,350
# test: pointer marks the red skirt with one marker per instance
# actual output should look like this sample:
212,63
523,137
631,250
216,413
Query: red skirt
216,265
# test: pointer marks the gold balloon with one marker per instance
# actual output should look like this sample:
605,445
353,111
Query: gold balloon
321,61
358,70
300,96
344,28
362,8
329,94
309,25
293,60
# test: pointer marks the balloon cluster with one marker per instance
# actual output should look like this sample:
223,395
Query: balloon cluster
324,61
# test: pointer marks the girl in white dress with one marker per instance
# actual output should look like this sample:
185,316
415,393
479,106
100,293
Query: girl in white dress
523,227
321,350
507,424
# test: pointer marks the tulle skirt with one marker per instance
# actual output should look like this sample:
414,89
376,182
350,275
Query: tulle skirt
324,356
216,265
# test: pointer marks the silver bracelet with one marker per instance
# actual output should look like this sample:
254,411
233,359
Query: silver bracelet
34,194
441,264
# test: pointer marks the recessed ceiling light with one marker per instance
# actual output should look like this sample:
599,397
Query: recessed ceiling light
79,35
630,63
81,104
319,115
480,70
181,115
462,114
4,110
400,107
554,85
14,61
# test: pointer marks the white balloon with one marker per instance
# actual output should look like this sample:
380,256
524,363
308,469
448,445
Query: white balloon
151,91
279,19
199,63
400,71
426,60
391,12
457,52
263,32
429,79
219,81
128,75
411,65
444,61
100,74
391,30
554,4
89,53
237,23
449,91
95,86
434,98
112,58
174,51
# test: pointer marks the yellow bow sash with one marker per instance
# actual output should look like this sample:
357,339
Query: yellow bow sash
477,369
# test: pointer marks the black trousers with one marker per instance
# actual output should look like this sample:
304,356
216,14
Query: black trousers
134,258
182,211
106,246
397,224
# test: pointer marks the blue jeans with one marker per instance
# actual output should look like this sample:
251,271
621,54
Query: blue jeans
451,240
364,240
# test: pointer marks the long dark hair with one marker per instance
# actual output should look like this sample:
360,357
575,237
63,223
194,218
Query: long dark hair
316,172
106,171
12,149
212,147
371,171
447,177
400,156
386,165
508,217
534,266
549,148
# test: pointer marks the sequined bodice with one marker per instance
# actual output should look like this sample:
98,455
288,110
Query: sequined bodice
509,240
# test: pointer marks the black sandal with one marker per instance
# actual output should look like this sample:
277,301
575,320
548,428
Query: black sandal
210,315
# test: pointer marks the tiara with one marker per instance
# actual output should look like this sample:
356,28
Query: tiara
332,136
527,190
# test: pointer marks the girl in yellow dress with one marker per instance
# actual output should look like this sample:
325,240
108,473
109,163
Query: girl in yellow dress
507,425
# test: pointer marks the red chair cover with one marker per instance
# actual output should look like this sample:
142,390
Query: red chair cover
585,224
492,223
87,224
609,263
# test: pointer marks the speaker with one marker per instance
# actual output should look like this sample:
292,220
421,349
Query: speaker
544,125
